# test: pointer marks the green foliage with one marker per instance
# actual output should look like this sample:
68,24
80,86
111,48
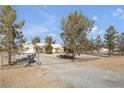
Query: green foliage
98,43
49,41
1,49
120,42
48,49
75,28
110,39
36,40
91,45
13,39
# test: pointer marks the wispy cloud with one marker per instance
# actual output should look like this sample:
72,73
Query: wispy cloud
119,13
95,18
44,29
35,30
94,30
97,31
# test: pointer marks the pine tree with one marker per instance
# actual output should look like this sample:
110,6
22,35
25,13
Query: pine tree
98,43
120,42
36,40
75,28
49,41
10,30
110,39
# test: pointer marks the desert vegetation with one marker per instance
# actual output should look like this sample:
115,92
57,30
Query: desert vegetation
75,29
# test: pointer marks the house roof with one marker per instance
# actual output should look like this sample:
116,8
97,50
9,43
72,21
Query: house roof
40,44
43,45
57,46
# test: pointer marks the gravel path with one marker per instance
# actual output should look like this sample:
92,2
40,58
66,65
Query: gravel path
83,75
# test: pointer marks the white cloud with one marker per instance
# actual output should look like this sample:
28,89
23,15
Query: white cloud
119,13
97,31
94,30
95,18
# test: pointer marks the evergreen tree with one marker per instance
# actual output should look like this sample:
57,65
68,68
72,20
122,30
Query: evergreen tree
120,42
91,45
98,43
75,28
10,30
110,39
49,41
36,40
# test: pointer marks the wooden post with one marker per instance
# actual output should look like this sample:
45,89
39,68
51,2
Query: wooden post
38,57
38,54
1,60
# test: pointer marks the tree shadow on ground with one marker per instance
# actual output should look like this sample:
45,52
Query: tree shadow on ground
76,59
23,62
65,56
104,55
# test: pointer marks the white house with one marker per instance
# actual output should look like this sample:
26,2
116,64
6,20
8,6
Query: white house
30,48
104,50
57,48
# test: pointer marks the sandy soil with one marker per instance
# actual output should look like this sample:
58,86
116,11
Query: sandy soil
115,63
66,74
30,77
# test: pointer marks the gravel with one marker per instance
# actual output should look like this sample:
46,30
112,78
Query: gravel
84,76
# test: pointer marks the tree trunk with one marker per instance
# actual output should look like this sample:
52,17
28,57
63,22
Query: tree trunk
122,53
73,56
9,56
98,51
109,54
2,60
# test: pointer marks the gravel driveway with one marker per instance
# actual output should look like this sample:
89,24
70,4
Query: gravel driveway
86,76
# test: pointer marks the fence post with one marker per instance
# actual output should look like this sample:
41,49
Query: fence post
38,54
1,60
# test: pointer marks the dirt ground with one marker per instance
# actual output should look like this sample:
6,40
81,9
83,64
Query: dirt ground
114,63
30,77
43,77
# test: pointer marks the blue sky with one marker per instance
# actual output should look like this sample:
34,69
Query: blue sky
45,20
